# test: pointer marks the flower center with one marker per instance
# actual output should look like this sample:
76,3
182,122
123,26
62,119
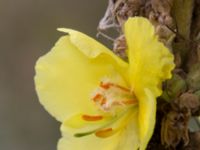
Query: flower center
116,102
112,97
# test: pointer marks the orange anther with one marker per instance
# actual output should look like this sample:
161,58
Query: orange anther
105,85
92,118
97,97
104,133
108,85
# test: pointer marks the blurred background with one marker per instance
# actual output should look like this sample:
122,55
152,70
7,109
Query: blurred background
27,31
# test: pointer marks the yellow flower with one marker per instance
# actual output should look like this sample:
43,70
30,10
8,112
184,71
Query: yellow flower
103,102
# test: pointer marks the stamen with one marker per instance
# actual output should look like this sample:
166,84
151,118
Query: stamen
104,133
83,134
130,102
92,118
127,102
103,101
97,97
122,88
110,96
105,85
108,85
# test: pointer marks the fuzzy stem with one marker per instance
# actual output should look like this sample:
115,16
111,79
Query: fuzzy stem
182,13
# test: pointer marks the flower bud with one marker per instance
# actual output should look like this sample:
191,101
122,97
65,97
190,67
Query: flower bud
174,87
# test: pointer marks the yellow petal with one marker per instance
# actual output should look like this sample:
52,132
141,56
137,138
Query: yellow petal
89,46
126,139
150,64
91,142
129,138
147,117
150,61
68,74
